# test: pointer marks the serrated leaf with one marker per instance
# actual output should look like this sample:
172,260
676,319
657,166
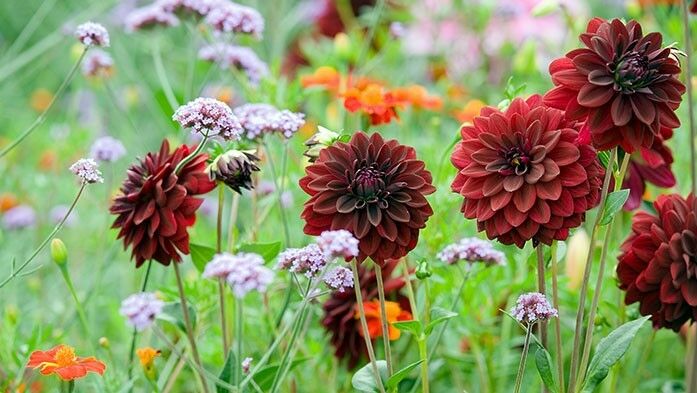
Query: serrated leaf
201,255
268,251
397,377
544,366
613,204
438,316
609,351
413,327
227,374
364,380
172,313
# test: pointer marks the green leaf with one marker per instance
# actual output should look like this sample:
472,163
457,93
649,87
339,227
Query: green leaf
227,374
364,380
264,377
268,251
613,204
604,158
172,313
201,255
438,316
544,367
413,327
397,377
609,351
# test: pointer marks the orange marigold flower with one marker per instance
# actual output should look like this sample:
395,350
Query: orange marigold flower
417,96
325,76
147,356
372,314
7,201
62,361
374,100
469,111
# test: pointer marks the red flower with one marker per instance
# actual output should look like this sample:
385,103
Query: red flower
657,267
524,175
339,312
624,84
156,206
61,360
373,188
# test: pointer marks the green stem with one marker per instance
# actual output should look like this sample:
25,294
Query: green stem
688,84
383,320
239,336
71,386
279,192
692,365
378,9
42,117
221,282
189,328
191,156
16,271
134,335
80,310
523,358
423,354
162,76
115,102
233,220
557,323
542,288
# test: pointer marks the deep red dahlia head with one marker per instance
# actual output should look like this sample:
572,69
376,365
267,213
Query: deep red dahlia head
623,83
373,188
156,206
649,165
340,310
658,265
524,174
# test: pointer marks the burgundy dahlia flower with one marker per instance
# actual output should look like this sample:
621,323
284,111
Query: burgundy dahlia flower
524,174
657,267
623,83
156,206
340,310
374,189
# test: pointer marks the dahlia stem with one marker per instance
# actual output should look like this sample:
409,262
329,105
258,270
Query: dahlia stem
692,364
78,305
16,271
364,326
239,334
523,359
42,117
134,335
423,354
189,329
542,288
586,275
688,84
557,323
191,156
279,192
221,282
233,220
383,320
599,282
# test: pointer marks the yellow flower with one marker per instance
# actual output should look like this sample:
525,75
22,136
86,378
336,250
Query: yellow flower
147,356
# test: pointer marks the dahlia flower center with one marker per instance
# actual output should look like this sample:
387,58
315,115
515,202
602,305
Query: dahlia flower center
518,162
369,185
632,72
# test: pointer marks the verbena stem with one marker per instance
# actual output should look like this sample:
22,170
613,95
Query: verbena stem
134,335
557,322
191,155
523,358
383,320
239,336
221,282
542,288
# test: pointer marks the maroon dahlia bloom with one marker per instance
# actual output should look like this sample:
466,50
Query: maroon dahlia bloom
623,83
524,174
156,206
658,265
340,312
373,188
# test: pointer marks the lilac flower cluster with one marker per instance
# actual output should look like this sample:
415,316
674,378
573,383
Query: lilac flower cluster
19,217
222,16
240,57
259,119
141,309
92,34
87,170
244,272
208,116
337,244
246,365
339,279
309,260
97,63
531,307
107,149
472,250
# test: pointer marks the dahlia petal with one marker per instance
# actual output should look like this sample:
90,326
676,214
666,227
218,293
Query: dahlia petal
345,204
525,198
144,212
374,214
541,212
512,183
689,292
498,201
559,97
643,108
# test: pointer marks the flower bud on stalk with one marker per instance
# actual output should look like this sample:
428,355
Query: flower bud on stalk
234,168
59,253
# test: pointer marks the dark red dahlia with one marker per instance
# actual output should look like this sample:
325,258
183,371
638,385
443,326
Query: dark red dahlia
340,310
524,174
373,188
658,265
156,206
623,83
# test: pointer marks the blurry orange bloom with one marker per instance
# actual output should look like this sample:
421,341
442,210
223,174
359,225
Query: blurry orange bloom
374,100
47,160
61,360
417,96
147,356
7,201
372,314
40,99
325,76
469,111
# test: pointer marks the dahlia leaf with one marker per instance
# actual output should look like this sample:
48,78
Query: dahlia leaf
264,377
268,251
397,377
201,255
364,379
544,366
227,374
438,316
613,204
609,351
172,313
604,158
413,327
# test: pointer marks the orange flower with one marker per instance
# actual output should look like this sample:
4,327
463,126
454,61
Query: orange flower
417,96
147,356
374,101
325,76
40,99
48,160
61,360
469,111
7,201
372,314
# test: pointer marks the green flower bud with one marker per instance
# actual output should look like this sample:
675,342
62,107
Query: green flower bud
423,271
59,253
321,139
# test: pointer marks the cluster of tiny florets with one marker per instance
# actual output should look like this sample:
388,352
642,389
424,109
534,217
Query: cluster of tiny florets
19,217
244,272
228,56
152,15
97,63
309,260
208,116
339,278
532,307
260,119
141,309
92,34
107,149
87,170
228,17
246,365
472,250
340,243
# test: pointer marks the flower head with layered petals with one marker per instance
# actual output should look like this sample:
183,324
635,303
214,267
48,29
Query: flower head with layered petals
62,361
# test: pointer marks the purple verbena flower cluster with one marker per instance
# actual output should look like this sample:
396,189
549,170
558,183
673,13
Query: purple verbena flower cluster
260,119
244,272
92,34
240,57
532,307
208,116
339,278
337,244
97,63
87,170
309,260
19,217
107,149
472,250
141,309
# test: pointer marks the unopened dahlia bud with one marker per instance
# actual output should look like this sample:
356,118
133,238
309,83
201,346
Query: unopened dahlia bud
234,168
321,139
423,271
